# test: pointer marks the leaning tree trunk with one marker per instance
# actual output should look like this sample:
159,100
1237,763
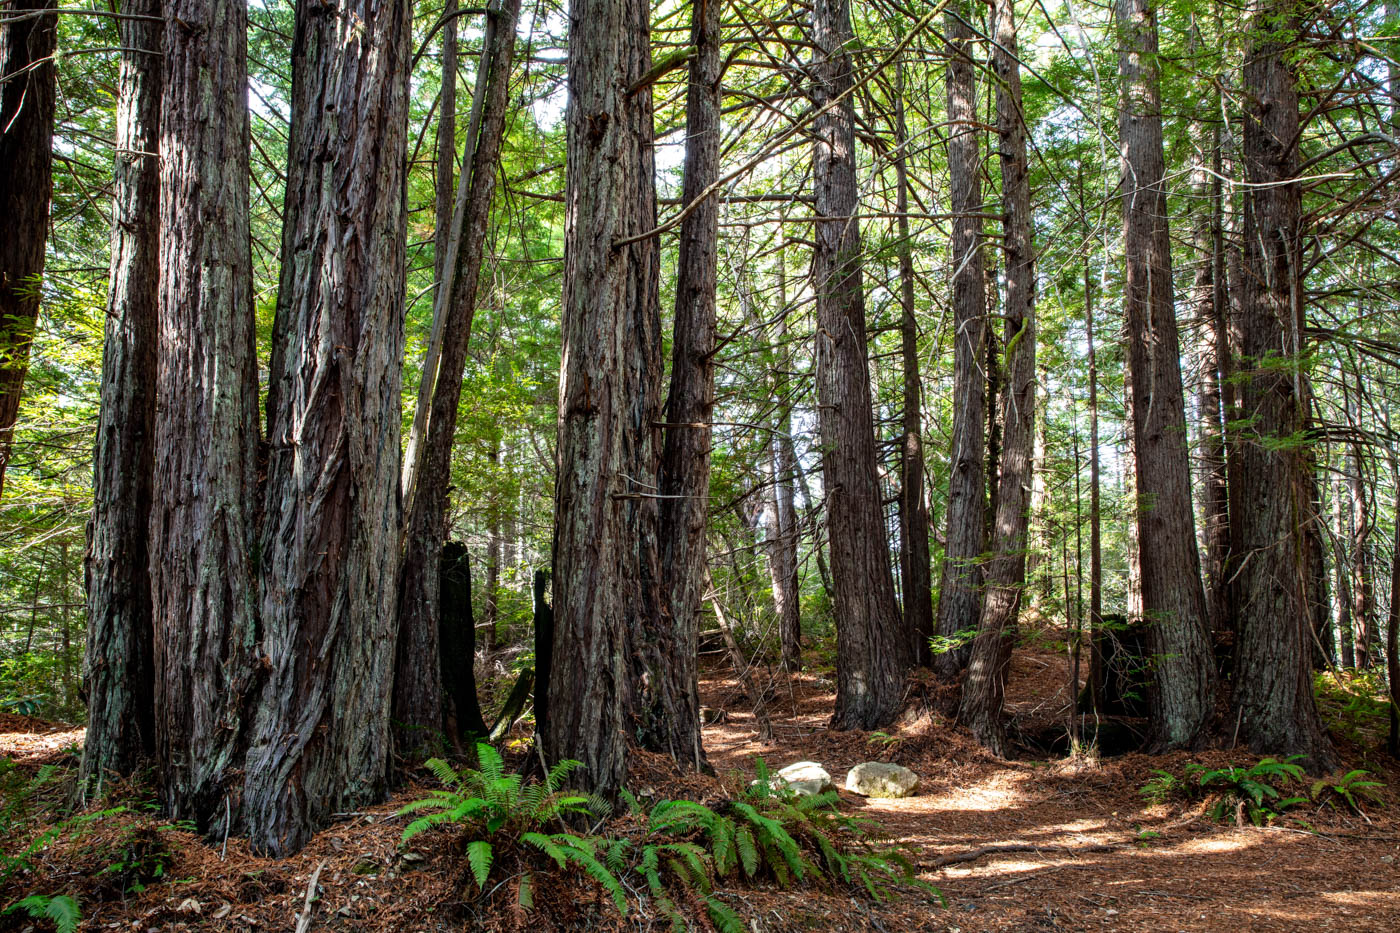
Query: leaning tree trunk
202,531
417,690
27,97
118,675
685,455
1182,700
871,649
615,654
1273,695
984,688
960,597
330,557
916,575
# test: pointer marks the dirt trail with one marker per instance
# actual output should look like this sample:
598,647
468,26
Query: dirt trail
1087,851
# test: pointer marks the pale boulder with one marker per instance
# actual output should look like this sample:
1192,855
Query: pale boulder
881,779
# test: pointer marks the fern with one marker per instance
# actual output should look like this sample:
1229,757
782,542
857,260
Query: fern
479,858
60,908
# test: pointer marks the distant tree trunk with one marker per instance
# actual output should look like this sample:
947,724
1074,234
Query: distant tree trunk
1273,694
495,544
1182,700
330,542
615,651
780,537
1362,584
1208,298
916,576
984,687
690,404
118,671
544,650
871,648
417,704
27,97
1342,562
1096,668
203,519
959,596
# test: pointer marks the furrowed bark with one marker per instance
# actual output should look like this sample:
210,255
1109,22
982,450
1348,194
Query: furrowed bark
320,736
1183,696
613,637
960,595
203,521
685,456
984,687
118,680
871,648
27,98
417,692
1273,695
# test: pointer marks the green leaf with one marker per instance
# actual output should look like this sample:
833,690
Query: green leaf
479,857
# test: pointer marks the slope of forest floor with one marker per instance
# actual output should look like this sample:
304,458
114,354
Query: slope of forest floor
1042,843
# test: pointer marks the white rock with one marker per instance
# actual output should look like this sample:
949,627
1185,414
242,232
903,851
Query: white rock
804,778
881,779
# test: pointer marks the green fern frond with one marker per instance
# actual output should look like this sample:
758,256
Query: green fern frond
479,857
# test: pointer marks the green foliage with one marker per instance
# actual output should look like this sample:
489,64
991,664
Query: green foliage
1355,703
1254,793
1350,789
60,908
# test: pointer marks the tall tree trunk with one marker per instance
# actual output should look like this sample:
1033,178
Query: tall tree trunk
27,97
1273,694
615,648
1392,632
984,688
1341,560
330,556
417,702
871,648
445,169
1183,696
118,671
690,405
1096,668
1208,298
959,596
916,575
203,520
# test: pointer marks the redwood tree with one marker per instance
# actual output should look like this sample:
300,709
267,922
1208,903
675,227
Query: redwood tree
417,687
1182,699
985,685
684,479
614,659
872,652
118,670
202,530
330,539
1273,695
959,597
27,97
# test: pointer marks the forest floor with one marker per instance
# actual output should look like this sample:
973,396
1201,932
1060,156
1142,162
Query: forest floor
1046,842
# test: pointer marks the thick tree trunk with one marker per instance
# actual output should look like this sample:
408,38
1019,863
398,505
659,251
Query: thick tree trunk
871,648
1392,638
960,595
916,575
985,684
615,650
330,557
685,455
119,674
1182,700
27,97
203,527
1273,695
457,646
417,700
445,168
